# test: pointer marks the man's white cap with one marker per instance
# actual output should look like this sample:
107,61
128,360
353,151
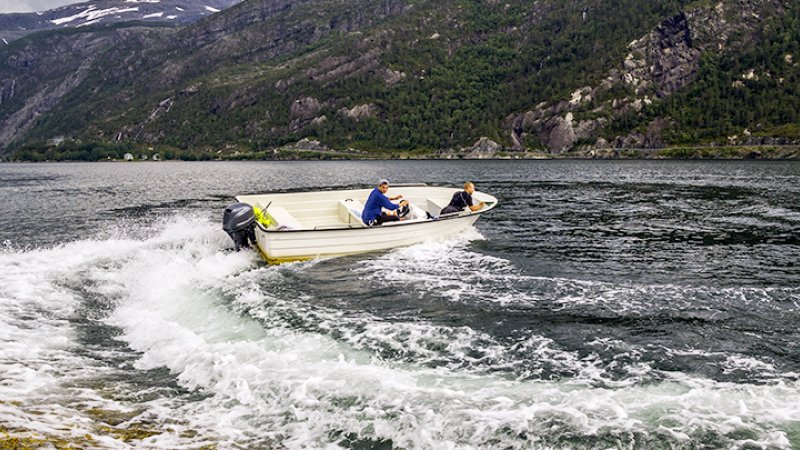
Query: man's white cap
383,181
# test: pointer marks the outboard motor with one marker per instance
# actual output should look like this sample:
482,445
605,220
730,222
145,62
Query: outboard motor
239,221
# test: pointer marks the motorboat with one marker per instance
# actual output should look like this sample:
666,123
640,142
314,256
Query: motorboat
293,226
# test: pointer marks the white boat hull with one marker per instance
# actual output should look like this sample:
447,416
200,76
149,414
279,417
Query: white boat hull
284,246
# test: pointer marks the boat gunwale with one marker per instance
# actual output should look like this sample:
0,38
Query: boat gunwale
393,224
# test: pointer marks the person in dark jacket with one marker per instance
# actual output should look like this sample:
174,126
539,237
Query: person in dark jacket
373,214
462,200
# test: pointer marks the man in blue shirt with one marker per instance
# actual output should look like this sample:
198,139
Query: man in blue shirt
372,213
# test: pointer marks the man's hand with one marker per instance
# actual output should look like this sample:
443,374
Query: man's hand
477,207
398,197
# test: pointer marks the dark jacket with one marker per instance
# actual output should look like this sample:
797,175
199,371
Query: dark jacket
459,201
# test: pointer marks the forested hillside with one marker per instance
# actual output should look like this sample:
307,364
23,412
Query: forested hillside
371,78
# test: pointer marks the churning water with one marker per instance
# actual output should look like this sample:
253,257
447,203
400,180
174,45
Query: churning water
601,305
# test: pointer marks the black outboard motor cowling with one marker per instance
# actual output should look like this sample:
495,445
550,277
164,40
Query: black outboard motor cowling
239,221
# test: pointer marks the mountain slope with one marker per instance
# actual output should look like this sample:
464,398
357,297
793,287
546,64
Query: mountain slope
403,74
16,25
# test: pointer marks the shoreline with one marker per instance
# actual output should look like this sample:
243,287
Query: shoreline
688,153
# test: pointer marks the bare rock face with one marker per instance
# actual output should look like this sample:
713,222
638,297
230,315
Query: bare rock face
561,134
360,112
305,111
305,108
485,144
309,145
657,65
483,148
663,61
601,144
392,77
319,121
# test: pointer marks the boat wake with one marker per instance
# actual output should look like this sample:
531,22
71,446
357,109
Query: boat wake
159,336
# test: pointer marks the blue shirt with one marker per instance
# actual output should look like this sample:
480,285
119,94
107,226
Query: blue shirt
375,202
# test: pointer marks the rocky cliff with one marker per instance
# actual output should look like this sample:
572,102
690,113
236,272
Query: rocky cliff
656,66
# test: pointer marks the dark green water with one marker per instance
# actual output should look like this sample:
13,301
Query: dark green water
635,304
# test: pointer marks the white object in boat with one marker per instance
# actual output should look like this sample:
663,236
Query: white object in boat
305,225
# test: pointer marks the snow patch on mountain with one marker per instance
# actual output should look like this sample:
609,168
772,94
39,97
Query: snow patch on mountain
182,12
91,14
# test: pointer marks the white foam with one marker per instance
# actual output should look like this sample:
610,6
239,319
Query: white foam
153,15
269,372
36,358
444,266
210,9
45,380
326,387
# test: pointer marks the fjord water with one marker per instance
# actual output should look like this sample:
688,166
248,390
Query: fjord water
601,305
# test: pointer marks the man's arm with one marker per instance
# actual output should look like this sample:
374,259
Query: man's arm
387,204
468,201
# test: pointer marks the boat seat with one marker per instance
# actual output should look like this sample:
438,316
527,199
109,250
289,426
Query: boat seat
283,218
350,212
435,207
417,213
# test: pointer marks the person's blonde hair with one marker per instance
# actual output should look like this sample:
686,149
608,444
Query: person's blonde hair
468,184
